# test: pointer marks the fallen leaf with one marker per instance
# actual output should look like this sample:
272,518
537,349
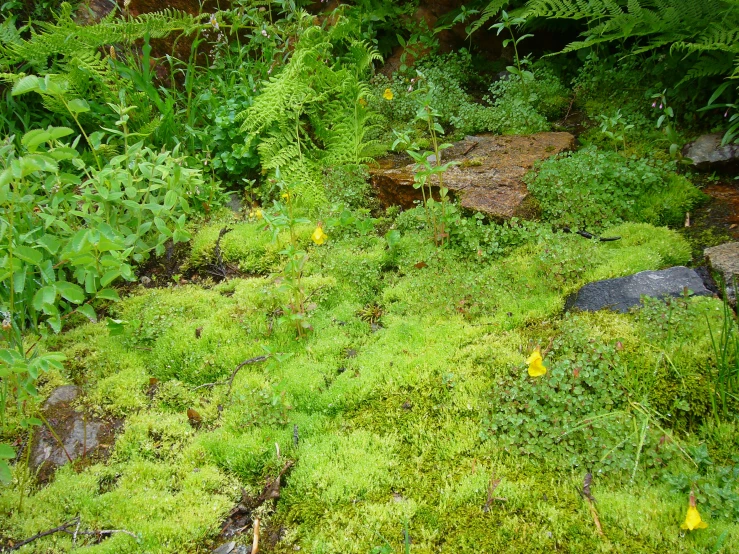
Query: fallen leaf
194,417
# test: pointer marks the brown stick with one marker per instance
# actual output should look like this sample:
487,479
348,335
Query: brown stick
588,496
230,380
62,528
255,542
596,519
71,528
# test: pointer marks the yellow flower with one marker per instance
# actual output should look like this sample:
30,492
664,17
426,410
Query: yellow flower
693,518
363,102
258,214
285,195
388,94
536,365
318,236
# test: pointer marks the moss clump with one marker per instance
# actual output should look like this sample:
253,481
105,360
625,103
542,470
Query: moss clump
249,246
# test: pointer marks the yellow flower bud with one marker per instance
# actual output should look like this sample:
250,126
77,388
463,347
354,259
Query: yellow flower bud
536,364
693,517
318,236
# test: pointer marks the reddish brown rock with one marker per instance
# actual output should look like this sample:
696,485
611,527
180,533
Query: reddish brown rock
488,179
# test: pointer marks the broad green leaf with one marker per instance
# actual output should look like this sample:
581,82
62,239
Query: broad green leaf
109,276
87,311
34,138
108,294
6,451
78,105
45,296
26,84
170,199
55,322
71,292
19,280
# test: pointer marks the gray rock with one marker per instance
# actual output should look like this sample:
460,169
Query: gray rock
626,292
225,548
77,434
61,395
724,260
235,203
707,152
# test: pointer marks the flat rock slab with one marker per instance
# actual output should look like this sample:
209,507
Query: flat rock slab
724,260
91,436
488,179
625,292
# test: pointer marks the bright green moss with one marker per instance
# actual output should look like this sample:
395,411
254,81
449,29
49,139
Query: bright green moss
248,245
390,419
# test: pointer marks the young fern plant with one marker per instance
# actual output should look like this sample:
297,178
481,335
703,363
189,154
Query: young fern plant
508,23
430,170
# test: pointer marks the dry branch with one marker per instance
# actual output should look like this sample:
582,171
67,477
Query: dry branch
71,527
230,380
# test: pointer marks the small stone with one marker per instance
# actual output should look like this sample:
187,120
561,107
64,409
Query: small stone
625,292
78,434
225,548
146,281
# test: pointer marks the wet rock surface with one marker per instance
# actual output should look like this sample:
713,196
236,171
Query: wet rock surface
724,261
707,153
488,179
625,292
79,435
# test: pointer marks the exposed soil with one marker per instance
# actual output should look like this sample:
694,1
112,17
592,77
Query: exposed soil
722,211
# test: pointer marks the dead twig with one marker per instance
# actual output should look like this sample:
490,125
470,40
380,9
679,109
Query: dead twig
588,496
255,542
218,267
230,380
71,527
471,148
62,528
491,489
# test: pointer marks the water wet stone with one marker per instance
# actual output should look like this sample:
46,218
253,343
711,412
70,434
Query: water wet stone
488,179
625,292
724,261
91,436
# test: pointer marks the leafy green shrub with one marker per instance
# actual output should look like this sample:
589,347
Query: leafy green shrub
594,189
222,135
444,76
68,231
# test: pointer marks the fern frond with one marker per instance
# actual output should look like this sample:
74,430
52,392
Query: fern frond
489,12
708,26
65,37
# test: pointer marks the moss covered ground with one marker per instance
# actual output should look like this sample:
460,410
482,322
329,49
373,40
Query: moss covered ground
400,424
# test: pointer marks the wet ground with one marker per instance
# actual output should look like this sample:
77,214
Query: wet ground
722,211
